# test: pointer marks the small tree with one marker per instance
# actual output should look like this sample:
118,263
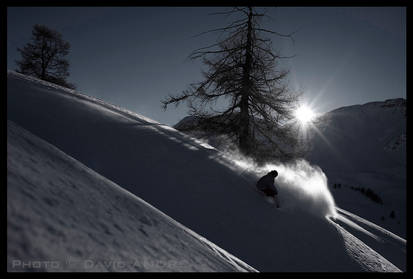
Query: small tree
243,69
44,56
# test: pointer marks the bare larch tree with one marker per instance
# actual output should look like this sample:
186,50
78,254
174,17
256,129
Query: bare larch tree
243,69
44,56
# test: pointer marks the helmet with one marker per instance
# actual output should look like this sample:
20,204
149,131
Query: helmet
274,173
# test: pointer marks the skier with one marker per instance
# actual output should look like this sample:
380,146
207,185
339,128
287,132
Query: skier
266,185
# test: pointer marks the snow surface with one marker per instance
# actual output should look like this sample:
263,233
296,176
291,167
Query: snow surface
208,191
361,136
365,146
62,216
360,146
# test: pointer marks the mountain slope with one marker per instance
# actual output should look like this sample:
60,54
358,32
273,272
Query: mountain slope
62,216
195,184
367,137
363,147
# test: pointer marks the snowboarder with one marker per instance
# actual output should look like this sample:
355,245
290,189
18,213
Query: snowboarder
266,185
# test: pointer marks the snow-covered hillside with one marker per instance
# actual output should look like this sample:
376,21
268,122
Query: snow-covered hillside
364,146
367,137
359,148
62,216
209,192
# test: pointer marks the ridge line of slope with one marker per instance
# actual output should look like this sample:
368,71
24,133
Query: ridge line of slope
219,236
76,94
365,104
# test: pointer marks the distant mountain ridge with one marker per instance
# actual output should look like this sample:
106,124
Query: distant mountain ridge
371,129
198,186
397,102
371,136
364,146
357,146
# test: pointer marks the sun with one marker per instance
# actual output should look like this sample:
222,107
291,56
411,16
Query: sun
304,114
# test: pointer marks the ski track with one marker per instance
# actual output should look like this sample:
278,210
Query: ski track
365,256
383,242
346,221
368,258
386,235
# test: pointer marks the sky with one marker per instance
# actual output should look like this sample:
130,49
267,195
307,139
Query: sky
134,57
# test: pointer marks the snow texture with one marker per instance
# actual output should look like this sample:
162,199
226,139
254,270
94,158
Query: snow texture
208,191
365,146
62,216
357,147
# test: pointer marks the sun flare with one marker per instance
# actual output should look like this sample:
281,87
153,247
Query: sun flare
304,114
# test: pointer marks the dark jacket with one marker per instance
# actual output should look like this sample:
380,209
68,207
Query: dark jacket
266,182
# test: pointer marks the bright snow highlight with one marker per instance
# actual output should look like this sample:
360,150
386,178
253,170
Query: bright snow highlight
301,185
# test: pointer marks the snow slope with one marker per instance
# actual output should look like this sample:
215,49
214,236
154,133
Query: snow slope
62,216
365,146
365,137
195,184
360,146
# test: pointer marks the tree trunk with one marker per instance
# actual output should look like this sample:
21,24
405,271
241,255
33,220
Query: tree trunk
42,58
244,128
